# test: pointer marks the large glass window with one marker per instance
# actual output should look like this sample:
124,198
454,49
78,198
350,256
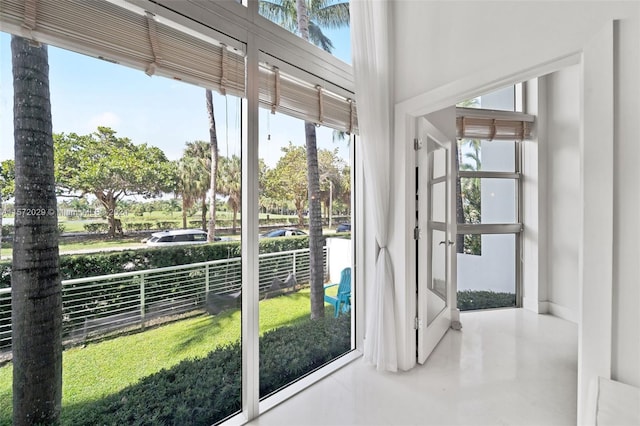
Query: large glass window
488,280
159,333
488,212
165,315
305,321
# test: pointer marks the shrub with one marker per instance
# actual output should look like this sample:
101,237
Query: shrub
106,263
7,230
96,228
138,226
469,300
289,353
206,391
166,225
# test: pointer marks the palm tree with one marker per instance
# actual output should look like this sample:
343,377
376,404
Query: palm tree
460,218
470,191
307,17
229,185
187,185
469,198
36,298
194,175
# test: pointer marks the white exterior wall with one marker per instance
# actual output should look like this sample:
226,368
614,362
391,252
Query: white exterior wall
339,257
435,56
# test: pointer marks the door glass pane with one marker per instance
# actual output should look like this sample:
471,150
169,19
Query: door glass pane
291,344
488,279
438,202
436,296
439,163
166,335
328,23
488,200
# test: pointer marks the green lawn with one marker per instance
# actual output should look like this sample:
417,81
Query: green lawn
100,369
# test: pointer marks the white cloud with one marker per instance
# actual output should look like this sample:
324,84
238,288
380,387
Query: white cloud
106,119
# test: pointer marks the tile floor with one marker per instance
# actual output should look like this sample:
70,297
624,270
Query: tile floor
505,367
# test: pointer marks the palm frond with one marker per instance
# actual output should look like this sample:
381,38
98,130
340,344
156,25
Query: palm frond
332,16
318,38
281,12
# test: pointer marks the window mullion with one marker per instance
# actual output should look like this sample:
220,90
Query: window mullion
250,290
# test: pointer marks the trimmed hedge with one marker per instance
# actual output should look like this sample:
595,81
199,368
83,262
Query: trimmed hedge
96,228
106,263
208,390
469,300
289,353
7,230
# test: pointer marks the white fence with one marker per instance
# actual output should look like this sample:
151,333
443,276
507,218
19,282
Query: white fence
95,306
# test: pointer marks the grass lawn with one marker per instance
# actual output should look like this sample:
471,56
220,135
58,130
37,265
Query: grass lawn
103,368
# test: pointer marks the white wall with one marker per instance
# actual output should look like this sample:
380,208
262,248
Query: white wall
441,46
563,191
494,270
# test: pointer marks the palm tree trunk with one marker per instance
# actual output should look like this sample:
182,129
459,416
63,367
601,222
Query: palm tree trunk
235,221
214,168
36,300
204,213
316,264
184,214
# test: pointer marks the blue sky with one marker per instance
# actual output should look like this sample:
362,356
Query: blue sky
87,92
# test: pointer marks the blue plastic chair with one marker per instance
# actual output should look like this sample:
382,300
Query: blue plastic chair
342,300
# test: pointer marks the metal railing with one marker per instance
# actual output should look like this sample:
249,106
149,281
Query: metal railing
97,306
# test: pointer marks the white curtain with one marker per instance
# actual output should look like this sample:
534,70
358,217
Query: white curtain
371,62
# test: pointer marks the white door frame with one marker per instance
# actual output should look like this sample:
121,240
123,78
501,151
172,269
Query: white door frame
596,59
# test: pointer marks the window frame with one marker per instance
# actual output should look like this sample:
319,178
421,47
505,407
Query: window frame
517,227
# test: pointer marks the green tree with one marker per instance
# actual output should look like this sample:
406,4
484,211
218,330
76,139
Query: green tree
110,168
344,189
330,170
287,181
7,179
230,185
7,187
170,206
307,18
36,298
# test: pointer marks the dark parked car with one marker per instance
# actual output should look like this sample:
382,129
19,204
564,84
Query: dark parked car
344,227
283,232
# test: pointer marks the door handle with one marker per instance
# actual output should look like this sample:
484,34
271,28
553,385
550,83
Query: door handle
448,242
